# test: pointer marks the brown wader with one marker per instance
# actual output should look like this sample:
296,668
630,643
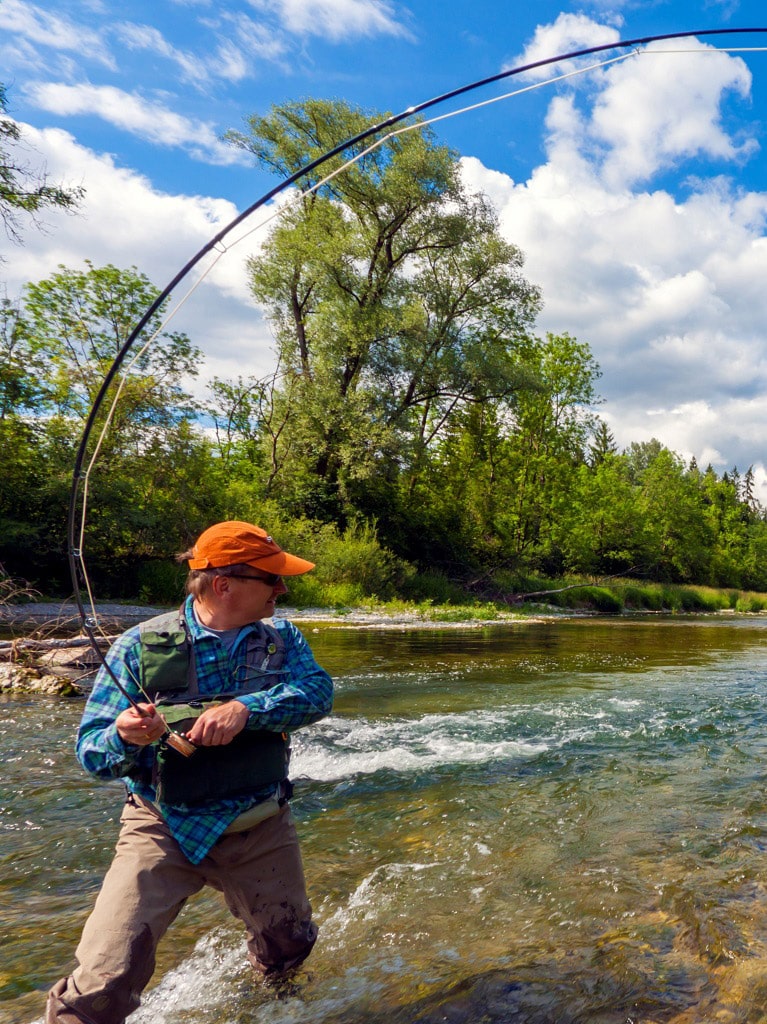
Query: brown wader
259,872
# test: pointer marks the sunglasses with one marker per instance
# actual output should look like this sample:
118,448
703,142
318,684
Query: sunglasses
271,579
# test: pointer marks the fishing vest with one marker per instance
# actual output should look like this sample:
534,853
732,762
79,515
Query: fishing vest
254,760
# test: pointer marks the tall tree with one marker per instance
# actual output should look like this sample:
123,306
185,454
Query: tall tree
81,319
394,300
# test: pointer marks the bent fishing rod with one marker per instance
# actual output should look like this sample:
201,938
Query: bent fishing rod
75,550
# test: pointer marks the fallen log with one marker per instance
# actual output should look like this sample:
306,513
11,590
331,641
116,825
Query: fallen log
73,653
34,644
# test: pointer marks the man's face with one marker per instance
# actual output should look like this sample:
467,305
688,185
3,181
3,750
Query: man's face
254,595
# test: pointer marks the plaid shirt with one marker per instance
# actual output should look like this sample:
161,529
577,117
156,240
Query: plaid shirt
303,694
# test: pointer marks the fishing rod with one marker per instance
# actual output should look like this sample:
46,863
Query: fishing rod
75,552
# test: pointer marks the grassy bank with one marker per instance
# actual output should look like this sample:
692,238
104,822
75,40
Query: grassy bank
530,597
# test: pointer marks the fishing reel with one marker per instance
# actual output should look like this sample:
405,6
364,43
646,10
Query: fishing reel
178,742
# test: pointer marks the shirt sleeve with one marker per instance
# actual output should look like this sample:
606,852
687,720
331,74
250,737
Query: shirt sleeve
304,693
99,747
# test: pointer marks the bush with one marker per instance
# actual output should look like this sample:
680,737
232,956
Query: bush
603,600
160,582
751,603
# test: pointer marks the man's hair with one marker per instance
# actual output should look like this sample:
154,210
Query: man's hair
199,581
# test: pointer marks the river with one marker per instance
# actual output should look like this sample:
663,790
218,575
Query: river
555,822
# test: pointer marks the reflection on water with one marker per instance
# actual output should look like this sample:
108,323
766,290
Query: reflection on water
561,822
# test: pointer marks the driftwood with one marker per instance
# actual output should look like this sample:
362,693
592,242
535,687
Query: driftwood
36,644
69,653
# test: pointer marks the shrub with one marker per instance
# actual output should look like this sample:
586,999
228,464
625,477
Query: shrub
603,600
160,582
752,602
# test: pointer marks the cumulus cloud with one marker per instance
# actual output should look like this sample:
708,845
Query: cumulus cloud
668,289
125,221
150,121
647,118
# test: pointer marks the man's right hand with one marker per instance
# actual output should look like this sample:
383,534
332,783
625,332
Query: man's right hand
140,730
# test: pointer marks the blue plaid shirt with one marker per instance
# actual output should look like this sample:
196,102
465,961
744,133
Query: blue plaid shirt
302,694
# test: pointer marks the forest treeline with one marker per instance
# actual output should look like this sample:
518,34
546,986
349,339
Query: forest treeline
415,436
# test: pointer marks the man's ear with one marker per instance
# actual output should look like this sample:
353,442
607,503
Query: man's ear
221,585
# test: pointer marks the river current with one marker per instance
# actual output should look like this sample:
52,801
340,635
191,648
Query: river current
546,822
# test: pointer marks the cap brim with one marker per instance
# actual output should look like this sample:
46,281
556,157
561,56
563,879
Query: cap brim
283,564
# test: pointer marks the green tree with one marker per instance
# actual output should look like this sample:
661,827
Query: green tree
22,189
155,480
394,301
552,423
81,319
603,443
599,528
679,536
22,366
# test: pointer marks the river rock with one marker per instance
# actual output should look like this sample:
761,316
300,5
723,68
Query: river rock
22,679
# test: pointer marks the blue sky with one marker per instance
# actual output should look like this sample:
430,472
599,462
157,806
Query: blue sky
637,190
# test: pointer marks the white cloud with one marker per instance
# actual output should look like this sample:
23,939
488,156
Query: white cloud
668,290
648,118
146,37
155,232
226,61
255,38
335,19
41,27
152,122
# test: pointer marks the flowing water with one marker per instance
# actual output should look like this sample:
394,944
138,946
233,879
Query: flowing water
560,822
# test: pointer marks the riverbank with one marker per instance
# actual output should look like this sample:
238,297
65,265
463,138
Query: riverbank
51,615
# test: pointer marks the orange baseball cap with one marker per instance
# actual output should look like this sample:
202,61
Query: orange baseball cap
234,542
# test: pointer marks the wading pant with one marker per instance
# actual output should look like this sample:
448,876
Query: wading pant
259,873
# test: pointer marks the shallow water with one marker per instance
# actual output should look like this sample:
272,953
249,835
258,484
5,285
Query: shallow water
561,822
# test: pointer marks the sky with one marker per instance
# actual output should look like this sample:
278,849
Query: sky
636,189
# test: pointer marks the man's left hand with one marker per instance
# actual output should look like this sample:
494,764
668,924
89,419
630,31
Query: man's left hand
219,725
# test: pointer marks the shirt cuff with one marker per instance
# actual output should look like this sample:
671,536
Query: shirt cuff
116,747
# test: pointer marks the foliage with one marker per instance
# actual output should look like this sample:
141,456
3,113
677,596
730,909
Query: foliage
155,480
394,300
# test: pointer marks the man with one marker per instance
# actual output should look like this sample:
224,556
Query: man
218,816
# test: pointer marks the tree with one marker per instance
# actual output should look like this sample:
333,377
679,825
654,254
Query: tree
603,443
552,423
394,301
81,319
22,189
155,481
598,527
679,537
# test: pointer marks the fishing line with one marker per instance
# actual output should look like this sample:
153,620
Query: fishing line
81,477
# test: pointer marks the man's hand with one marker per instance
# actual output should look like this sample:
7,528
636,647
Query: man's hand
219,725
140,730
